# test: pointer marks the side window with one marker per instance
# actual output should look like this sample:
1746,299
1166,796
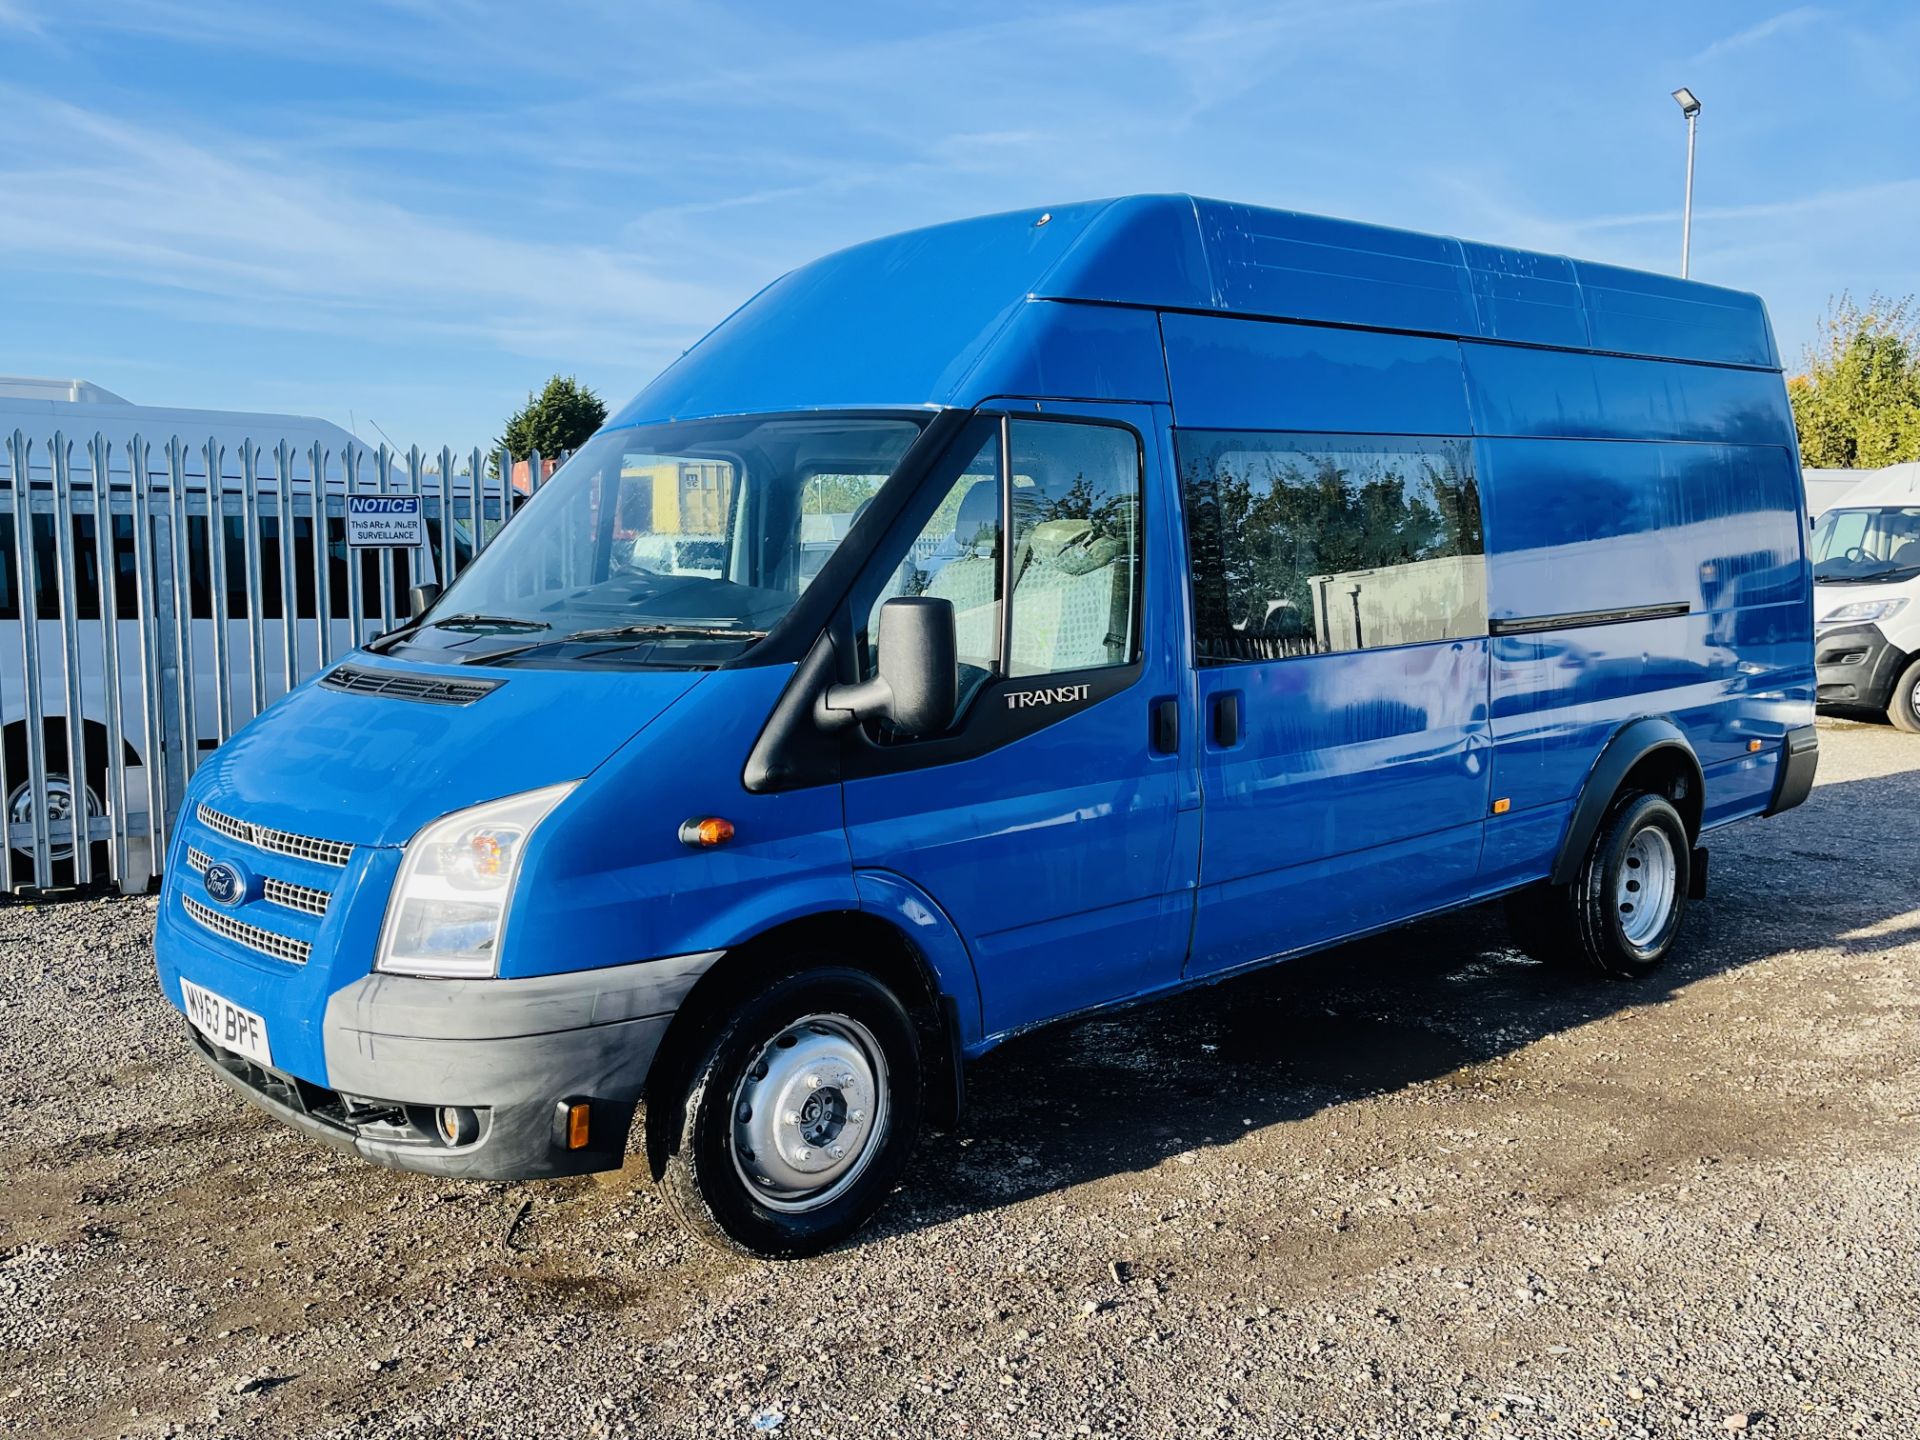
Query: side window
829,504
1076,546
1311,544
956,557
9,571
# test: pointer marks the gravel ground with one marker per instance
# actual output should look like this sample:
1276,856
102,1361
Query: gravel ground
1411,1187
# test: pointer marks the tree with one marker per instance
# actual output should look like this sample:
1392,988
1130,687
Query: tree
1858,404
559,418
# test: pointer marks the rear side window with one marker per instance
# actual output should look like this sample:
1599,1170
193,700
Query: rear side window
1315,544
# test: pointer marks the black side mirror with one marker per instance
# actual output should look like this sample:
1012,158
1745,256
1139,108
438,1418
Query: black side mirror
423,598
919,680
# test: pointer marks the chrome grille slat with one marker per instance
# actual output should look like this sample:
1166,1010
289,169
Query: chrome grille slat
279,842
294,897
198,860
278,947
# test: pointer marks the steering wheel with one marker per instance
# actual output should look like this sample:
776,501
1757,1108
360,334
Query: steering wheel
1854,554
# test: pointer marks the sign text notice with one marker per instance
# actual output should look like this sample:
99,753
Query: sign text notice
384,520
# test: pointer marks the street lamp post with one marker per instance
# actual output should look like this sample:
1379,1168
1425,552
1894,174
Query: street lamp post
1690,107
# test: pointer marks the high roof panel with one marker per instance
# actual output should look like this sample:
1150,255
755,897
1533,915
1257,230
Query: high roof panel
1178,252
915,318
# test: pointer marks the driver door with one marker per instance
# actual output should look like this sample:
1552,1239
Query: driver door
1057,821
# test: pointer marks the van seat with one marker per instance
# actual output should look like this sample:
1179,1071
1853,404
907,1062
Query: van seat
1070,604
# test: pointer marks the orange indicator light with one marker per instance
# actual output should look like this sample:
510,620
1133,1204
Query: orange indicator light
1753,745
488,853
1502,805
577,1125
703,834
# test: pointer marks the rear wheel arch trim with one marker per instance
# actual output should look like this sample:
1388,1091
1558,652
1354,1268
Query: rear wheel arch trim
1637,741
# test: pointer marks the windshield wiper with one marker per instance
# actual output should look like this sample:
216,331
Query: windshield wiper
665,632
492,622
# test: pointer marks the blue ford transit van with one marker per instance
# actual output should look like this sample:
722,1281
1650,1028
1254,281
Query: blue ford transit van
990,624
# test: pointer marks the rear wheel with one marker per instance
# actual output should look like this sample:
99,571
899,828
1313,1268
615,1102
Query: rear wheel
798,1116
1904,708
1623,911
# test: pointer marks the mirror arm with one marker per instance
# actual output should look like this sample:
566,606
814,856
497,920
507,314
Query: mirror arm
842,705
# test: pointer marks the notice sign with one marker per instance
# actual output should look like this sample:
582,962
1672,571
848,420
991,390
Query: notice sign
385,520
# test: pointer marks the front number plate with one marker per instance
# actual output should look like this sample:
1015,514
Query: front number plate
226,1024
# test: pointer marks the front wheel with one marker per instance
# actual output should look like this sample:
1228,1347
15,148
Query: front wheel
798,1116
1904,708
1622,913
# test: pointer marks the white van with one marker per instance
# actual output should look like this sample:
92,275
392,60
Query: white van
159,583
1866,570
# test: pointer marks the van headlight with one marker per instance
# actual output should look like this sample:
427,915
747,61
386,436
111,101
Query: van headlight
1860,612
456,879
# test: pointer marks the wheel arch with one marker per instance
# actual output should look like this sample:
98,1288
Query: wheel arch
1652,754
857,938
53,729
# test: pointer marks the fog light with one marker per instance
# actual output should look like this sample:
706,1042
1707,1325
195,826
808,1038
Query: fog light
457,1125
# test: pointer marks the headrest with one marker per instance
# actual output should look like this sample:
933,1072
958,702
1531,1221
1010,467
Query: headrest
976,525
1071,546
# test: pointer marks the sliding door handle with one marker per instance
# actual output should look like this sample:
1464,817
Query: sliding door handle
1226,719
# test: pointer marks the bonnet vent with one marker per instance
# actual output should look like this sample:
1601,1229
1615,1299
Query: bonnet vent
399,685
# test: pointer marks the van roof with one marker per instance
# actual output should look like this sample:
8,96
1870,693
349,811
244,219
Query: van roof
1891,485
933,302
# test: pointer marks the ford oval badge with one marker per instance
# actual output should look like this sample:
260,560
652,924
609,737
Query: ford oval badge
225,884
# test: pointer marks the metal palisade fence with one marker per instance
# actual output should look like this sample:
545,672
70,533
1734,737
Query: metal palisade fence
154,598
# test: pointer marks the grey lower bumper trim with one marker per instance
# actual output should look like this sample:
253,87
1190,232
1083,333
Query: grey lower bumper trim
408,1005
515,1086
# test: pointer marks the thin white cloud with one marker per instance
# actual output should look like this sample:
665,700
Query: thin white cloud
312,249
1785,21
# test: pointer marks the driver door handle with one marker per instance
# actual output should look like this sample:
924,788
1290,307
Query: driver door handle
1163,725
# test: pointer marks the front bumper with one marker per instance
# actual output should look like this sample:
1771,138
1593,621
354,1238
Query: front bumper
1855,665
515,1052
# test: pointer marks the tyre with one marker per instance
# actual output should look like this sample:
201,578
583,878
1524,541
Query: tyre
1621,914
797,1116
65,804
1903,709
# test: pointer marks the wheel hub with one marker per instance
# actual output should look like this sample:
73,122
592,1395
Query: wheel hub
60,816
809,1111
1646,886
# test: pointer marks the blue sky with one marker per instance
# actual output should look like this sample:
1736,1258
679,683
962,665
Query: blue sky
412,212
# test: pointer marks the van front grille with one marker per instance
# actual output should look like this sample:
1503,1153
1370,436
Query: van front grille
279,947
279,842
294,897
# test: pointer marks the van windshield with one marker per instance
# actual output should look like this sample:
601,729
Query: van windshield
1855,545
673,544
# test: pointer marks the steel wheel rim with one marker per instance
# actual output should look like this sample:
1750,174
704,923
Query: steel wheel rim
1644,888
59,790
817,1087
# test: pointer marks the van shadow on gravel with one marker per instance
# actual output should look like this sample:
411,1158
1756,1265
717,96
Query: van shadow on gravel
1126,1090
